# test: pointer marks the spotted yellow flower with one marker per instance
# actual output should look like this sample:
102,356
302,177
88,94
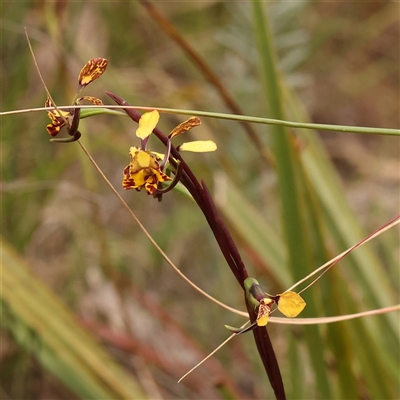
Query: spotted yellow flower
92,70
264,310
144,169
289,303
58,119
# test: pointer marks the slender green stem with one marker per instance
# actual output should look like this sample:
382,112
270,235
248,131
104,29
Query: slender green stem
89,111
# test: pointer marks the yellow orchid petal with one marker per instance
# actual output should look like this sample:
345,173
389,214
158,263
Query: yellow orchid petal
147,123
132,151
291,304
92,70
199,146
93,100
145,160
143,171
263,312
58,118
55,114
262,321
183,127
159,156
54,129
140,178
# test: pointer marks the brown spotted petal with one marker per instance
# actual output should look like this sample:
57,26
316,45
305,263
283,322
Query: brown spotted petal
143,171
264,311
93,100
92,70
192,122
58,119
128,182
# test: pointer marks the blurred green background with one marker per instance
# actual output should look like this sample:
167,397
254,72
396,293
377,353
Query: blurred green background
91,310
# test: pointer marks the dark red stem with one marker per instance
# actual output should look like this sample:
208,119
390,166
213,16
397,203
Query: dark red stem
228,247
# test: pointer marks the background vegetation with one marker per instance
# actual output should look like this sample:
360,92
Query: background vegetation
90,309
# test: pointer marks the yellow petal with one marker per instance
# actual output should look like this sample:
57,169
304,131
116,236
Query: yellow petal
144,159
199,146
93,100
263,312
140,178
262,321
192,122
147,123
93,69
132,151
291,304
159,156
59,119
53,129
143,171
55,114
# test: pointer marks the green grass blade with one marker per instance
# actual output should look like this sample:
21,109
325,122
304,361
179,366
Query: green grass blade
299,256
45,327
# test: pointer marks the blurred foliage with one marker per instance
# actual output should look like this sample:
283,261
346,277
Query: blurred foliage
60,217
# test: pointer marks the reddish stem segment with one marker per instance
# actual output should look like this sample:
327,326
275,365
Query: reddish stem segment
204,200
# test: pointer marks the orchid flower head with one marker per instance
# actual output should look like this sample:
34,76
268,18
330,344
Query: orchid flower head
92,70
146,168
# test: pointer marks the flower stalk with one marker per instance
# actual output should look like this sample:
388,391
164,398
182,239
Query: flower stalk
204,200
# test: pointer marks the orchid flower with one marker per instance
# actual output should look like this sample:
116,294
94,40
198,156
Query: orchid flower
92,70
146,168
